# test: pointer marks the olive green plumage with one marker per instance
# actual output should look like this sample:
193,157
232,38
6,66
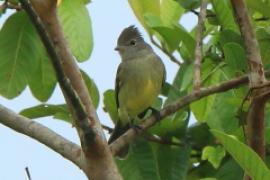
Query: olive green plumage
139,78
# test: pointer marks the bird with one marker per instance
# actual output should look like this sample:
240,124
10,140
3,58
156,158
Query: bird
139,80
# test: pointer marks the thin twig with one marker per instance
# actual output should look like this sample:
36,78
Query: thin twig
165,51
107,128
207,15
249,93
157,139
17,7
194,12
28,173
9,5
131,134
198,47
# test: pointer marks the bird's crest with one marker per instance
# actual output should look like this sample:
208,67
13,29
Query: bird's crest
129,33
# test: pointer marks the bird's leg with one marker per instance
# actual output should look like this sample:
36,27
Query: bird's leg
134,124
156,113
137,128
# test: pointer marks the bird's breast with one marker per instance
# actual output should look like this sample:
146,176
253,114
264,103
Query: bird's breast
141,82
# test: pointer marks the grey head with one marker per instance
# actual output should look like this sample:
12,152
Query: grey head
131,45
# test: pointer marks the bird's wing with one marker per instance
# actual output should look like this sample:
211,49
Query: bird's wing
118,83
164,70
164,74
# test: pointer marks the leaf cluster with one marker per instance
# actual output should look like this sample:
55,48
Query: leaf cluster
186,149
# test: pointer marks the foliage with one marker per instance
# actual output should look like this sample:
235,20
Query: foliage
191,151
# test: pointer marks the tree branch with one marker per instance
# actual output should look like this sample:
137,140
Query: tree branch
61,77
131,134
255,129
198,47
44,135
255,118
251,45
93,141
172,58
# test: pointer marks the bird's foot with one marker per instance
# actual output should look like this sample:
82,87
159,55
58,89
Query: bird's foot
136,128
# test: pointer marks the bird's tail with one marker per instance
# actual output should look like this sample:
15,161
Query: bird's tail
120,129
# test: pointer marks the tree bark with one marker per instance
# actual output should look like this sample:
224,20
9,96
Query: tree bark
99,161
198,48
255,117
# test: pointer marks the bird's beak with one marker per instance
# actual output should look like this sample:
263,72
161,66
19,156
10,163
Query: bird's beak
119,48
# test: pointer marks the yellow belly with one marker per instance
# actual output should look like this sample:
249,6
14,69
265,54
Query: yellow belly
137,100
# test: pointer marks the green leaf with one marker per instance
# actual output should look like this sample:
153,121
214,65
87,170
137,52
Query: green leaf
172,126
171,92
157,103
152,20
223,113
187,76
260,6
188,41
263,37
170,12
199,133
173,35
189,4
86,1
77,28
140,163
230,36
92,88
213,154
43,81
19,55
154,162
203,107
245,157
167,35
164,13
235,57
229,170
170,36
172,161
142,7
224,14
211,17
174,92
110,105
44,110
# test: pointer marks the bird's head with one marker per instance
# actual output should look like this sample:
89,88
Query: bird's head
130,43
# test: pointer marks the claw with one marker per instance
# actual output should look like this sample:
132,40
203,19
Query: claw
137,128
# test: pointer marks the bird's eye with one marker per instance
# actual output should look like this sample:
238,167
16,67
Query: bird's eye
132,42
